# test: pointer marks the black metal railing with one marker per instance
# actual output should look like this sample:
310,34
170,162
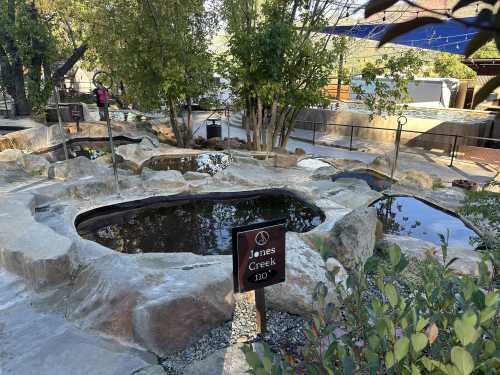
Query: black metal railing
455,138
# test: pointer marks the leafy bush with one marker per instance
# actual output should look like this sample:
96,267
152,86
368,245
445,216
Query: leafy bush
381,324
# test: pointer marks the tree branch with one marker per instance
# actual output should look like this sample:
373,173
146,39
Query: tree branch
68,65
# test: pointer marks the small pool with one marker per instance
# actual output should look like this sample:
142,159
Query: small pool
375,180
91,148
199,224
210,163
408,216
10,129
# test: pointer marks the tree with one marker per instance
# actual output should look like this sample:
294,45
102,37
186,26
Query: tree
159,50
449,65
386,82
278,62
28,55
486,21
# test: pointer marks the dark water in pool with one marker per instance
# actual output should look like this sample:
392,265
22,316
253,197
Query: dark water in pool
89,148
201,225
10,129
375,180
210,163
411,217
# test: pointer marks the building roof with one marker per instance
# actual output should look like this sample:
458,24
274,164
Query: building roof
483,67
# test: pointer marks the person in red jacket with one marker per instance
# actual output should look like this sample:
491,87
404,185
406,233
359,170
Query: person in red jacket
102,96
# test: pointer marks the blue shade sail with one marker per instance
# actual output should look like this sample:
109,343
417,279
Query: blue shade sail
450,36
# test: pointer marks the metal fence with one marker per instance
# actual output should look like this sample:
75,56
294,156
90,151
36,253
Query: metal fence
459,146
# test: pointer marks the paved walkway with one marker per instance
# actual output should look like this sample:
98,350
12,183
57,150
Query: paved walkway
409,159
34,341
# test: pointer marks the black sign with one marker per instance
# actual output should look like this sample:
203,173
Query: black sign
258,255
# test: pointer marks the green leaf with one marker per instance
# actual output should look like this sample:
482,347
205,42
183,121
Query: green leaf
490,346
418,342
421,324
485,91
414,369
267,363
389,360
391,294
401,348
479,40
399,29
373,342
348,365
487,314
462,359
376,6
465,329
394,254
253,359
492,298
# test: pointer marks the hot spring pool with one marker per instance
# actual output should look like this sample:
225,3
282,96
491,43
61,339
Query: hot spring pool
375,180
91,148
210,163
199,224
408,216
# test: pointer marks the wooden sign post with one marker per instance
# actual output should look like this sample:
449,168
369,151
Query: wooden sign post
259,261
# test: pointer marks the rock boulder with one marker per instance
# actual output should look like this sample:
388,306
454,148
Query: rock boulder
304,270
352,238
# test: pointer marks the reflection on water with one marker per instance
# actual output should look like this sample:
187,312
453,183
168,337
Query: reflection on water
411,217
375,180
91,149
10,129
210,163
202,226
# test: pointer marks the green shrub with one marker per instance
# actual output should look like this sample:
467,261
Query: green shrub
381,324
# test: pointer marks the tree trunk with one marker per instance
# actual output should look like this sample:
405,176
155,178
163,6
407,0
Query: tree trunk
189,129
174,123
258,126
246,121
291,125
21,103
271,127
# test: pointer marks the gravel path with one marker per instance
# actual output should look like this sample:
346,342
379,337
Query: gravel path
284,333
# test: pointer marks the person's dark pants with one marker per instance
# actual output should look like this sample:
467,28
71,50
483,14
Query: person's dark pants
102,114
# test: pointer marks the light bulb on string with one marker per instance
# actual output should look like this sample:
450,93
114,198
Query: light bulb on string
383,18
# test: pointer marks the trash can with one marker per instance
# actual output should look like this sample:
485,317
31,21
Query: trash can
214,130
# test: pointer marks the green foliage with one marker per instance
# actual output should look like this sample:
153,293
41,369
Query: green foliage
277,63
159,49
439,324
449,65
387,80
481,207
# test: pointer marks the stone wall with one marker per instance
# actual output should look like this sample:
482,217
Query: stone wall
376,133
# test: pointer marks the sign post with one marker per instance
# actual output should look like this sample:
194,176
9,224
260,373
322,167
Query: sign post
259,261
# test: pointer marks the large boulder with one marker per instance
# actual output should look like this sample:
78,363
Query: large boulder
353,193
416,179
33,165
13,156
36,165
79,167
352,239
227,361
163,180
467,260
163,302
304,270
29,248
